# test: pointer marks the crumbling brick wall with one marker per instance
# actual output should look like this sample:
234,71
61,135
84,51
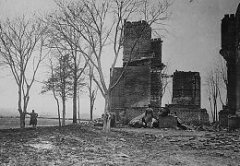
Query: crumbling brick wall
186,88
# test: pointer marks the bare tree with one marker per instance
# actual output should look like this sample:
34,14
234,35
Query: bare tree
21,49
58,40
92,91
50,84
60,80
213,83
90,19
217,83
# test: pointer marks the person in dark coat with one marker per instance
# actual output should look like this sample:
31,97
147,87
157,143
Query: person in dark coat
147,119
33,118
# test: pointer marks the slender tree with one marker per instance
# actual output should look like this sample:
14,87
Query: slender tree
60,80
217,83
21,50
213,81
58,40
50,85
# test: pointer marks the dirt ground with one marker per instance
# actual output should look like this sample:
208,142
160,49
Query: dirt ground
85,145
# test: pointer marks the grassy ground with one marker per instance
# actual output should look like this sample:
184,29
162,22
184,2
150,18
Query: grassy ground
86,145
12,122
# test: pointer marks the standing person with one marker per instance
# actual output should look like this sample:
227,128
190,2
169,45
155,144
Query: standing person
33,118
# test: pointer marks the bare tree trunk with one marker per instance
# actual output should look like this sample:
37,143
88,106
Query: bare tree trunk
217,113
91,99
25,103
22,117
63,89
211,109
55,97
91,110
63,110
59,117
79,108
75,89
22,120
75,99
58,107
215,109
92,92
90,95
107,116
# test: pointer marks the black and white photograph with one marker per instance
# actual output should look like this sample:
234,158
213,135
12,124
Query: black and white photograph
119,83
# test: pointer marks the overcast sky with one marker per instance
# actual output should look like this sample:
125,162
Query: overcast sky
191,44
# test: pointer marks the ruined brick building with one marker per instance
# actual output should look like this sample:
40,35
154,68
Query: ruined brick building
140,83
230,50
186,98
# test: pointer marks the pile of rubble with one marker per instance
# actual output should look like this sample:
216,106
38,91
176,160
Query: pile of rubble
163,119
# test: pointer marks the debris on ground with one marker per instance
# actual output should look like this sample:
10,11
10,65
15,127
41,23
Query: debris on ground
88,145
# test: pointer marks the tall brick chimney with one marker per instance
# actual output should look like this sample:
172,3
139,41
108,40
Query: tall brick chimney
137,40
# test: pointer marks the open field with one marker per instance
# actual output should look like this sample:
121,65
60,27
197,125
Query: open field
86,145
12,122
